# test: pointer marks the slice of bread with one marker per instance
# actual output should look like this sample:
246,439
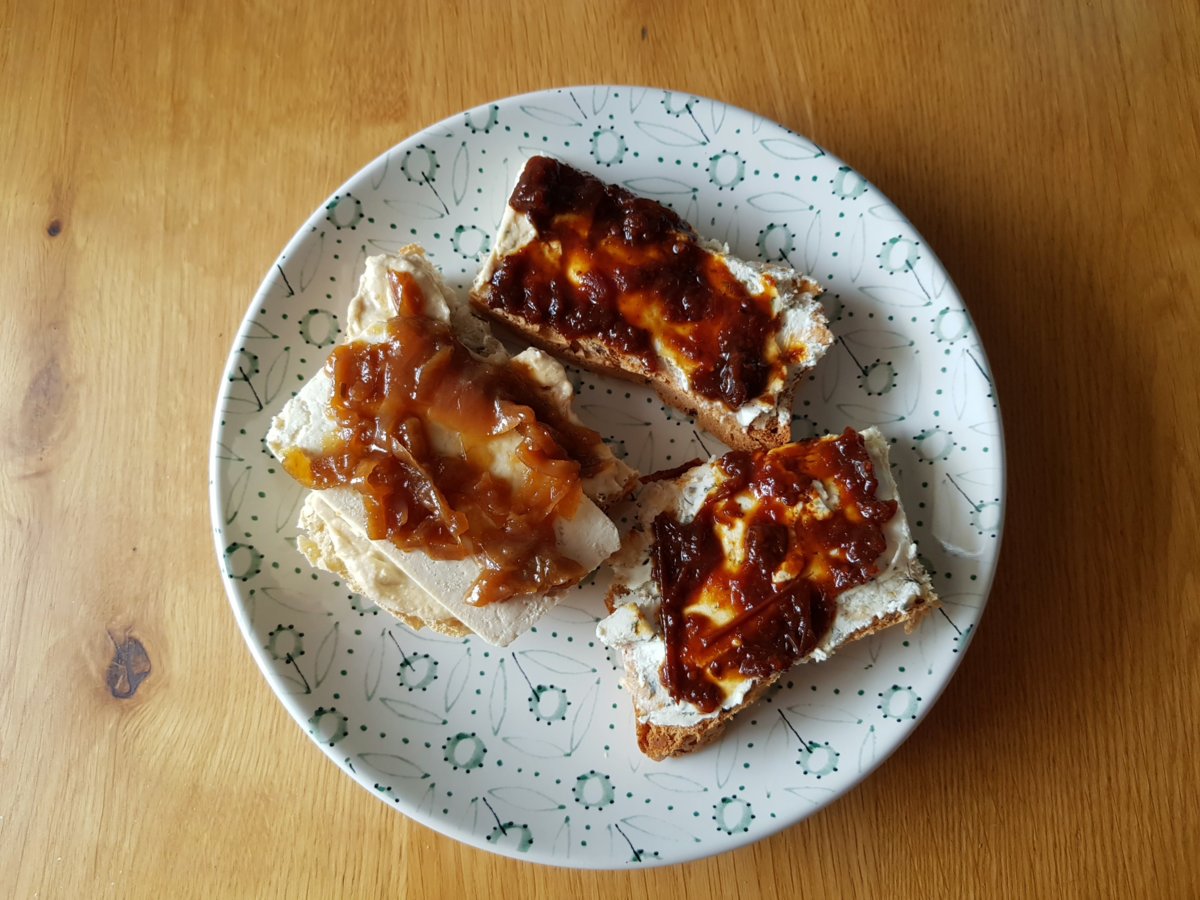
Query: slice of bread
621,285
415,587
896,590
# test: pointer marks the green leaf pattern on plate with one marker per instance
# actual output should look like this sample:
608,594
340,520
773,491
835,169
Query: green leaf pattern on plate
529,751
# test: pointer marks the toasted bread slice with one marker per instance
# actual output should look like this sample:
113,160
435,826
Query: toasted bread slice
688,681
417,588
621,285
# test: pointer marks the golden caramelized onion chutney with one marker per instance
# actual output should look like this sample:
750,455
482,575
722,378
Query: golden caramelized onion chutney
754,604
426,434
626,271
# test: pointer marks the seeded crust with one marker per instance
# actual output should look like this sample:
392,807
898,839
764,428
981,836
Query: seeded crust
660,742
595,356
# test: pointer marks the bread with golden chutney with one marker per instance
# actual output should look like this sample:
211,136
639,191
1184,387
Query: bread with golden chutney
420,501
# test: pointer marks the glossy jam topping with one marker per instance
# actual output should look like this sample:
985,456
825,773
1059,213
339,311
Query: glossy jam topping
407,297
628,272
753,605
427,433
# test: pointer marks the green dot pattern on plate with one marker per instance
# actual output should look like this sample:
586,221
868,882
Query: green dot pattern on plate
530,750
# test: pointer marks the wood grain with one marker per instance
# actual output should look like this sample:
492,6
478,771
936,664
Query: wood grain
158,155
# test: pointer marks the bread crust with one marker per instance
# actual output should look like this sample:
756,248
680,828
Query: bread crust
373,575
663,741
595,356
802,331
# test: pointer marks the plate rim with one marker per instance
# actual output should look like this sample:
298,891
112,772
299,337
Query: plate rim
300,714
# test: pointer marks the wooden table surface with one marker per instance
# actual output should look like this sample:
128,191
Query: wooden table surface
158,155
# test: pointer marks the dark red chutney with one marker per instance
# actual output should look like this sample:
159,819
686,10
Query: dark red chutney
639,272
772,625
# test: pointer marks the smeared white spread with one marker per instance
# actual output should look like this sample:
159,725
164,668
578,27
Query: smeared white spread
801,322
306,422
633,627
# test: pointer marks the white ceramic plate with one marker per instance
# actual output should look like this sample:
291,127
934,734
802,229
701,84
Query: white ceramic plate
529,751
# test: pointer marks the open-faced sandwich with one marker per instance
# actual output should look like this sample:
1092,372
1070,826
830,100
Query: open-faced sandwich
454,485
743,566
451,483
622,285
